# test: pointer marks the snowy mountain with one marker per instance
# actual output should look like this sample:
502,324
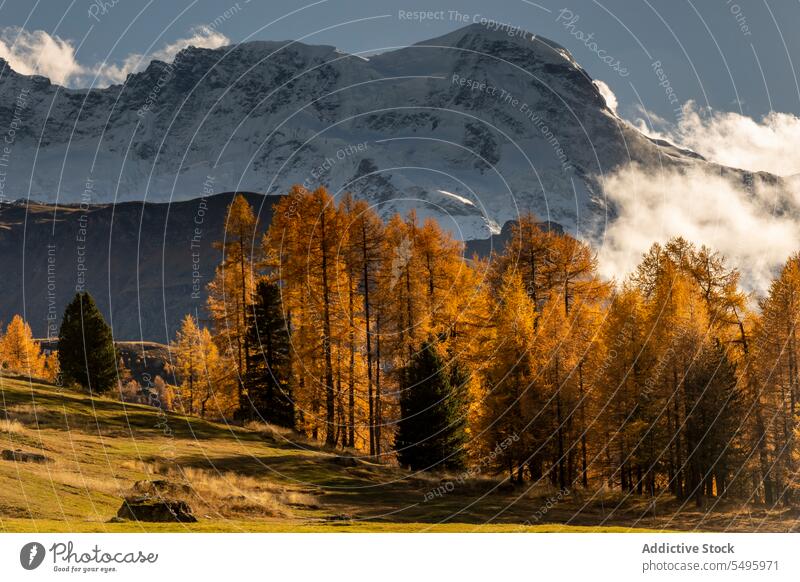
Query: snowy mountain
471,127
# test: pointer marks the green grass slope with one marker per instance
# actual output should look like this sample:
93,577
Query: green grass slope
251,480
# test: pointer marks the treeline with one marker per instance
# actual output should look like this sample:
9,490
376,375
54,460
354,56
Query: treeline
380,335
86,356
321,320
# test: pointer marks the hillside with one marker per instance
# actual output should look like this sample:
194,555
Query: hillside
249,479
146,264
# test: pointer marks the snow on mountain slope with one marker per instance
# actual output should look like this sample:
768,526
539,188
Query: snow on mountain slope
471,128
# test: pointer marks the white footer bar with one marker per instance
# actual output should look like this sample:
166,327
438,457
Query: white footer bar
399,557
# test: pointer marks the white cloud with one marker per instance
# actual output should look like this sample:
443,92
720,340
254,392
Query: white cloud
39,53
771,144
608,95
706,209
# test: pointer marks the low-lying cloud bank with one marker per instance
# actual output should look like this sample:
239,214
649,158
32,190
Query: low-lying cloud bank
39,53
757,228
755,225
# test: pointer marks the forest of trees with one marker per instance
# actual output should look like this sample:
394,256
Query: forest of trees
381,336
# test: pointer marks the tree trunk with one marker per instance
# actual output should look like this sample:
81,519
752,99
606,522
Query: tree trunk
584,463
365,259
243,330
378,412
762,453
330,434
351,386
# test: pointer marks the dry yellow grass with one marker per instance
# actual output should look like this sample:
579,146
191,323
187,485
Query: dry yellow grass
23,414
298,499
271,430
228,494
11,426
282,435
82,481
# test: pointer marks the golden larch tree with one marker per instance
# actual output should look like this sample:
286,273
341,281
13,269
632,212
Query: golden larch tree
20,353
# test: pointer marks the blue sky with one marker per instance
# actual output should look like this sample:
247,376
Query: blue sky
733,56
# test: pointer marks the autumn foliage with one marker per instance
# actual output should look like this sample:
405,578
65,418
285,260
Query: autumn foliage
20,353
381,336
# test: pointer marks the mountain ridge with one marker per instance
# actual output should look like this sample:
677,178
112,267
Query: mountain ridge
506,122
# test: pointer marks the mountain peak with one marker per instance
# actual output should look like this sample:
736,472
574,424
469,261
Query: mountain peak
506,118
488,35
255,50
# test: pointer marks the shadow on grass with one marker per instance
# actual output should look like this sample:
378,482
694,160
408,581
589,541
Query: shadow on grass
381,494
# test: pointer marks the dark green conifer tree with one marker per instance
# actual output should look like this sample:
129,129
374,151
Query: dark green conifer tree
269,377
714,406
433,404
86,352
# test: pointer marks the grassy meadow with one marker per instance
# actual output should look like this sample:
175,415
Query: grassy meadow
254,479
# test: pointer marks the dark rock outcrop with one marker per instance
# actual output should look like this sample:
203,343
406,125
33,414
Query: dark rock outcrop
22,457
146,508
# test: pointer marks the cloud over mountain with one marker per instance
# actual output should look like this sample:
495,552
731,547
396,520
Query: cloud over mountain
756,226
770,144
40,53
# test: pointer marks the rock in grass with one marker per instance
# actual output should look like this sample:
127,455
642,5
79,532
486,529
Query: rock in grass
340,517
23,457
158,510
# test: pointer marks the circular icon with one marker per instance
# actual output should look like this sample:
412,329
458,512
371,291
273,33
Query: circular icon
31,555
